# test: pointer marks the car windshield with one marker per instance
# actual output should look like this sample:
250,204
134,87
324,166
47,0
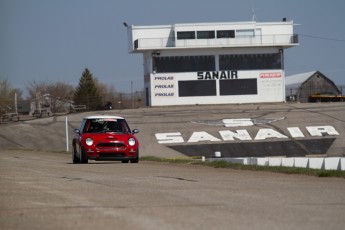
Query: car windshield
106,125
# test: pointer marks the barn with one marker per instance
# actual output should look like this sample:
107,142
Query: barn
311,87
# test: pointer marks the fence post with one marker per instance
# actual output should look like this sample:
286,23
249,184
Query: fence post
67,149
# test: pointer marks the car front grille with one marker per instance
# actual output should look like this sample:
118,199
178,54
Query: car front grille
111,144
112,155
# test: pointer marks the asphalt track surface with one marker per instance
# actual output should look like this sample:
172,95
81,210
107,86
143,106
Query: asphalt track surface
44,190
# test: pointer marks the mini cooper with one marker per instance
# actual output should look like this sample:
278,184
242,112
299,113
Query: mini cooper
105,138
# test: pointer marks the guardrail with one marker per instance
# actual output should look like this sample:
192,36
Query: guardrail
41,112
10,116
79,108
263,40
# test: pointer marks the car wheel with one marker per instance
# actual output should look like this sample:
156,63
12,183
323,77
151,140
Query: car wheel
83,156
125,161
75,159
136,160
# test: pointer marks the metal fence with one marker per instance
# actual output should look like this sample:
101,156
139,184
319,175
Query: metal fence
113,101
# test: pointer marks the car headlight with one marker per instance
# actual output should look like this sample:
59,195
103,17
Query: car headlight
131,141
88,141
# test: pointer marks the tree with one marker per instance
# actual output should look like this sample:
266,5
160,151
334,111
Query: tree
7,95
56,92
59,90
109,94
87,92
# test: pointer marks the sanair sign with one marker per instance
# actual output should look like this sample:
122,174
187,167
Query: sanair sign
243,134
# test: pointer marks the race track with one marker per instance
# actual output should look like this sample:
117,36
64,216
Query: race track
43,190
277,129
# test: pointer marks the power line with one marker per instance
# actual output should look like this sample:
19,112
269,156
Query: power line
323,38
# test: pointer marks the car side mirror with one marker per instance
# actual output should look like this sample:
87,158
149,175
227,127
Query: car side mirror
76,131
135,131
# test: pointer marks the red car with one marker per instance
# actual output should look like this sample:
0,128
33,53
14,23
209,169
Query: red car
105,137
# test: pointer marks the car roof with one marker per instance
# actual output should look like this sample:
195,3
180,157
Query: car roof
103,117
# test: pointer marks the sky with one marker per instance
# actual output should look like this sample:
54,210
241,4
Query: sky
55,40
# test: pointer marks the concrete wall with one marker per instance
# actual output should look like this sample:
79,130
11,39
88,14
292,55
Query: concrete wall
330,163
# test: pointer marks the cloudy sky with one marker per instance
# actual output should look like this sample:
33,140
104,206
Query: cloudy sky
55,40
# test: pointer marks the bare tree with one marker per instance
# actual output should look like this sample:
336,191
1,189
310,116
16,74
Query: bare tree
7,95
109,94
57,92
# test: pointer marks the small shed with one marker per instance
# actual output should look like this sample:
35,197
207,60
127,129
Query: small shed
300,87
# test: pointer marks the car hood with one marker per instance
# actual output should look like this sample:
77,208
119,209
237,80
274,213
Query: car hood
108,137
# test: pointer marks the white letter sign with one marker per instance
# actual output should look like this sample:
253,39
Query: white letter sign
319,131
168,138
268,133
202,136
228,135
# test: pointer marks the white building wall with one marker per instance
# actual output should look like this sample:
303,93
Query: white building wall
164,37
165,89
260,38
275,34
152,37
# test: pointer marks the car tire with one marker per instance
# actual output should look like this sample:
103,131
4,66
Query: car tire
125,161
83,156
75,159
136,160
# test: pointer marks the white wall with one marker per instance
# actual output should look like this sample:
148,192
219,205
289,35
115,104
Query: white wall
164,89
156,37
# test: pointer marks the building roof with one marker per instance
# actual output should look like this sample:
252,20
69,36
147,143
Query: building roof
294,81
103,117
